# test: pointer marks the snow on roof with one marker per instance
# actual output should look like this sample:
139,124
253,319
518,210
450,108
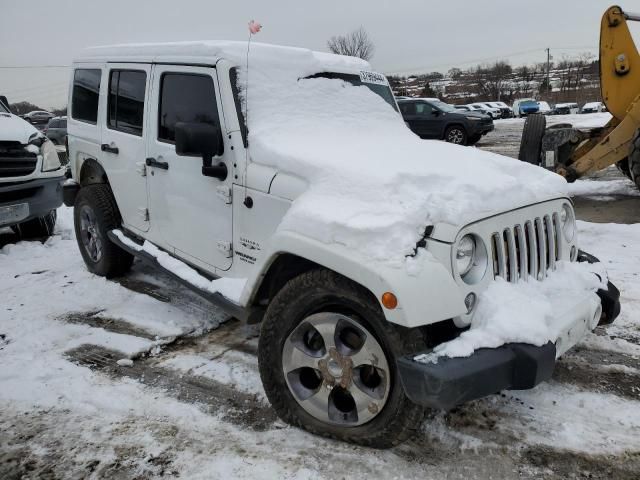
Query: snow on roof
209,51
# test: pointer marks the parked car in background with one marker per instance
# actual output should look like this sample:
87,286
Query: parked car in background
441,121
38,117
592,107
525,106
56,130
544,108
565,108
463,108
31,178
505,110
493,112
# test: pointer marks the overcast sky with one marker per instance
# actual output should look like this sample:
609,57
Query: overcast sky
409,35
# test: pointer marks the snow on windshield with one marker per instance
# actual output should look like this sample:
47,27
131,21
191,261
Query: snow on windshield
373,184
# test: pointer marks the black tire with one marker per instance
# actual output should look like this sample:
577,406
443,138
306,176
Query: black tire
531,143
41,227
623,167
474,139
325,291
634,159
455,134
97,200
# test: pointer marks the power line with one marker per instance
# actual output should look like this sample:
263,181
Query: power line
16,67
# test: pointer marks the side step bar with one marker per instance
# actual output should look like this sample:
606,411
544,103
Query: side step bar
217,299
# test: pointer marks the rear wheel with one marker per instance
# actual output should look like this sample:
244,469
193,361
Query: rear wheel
327,360
456,134
531,143
95,213
634,159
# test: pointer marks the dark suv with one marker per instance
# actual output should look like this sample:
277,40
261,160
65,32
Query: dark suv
435,119
56,130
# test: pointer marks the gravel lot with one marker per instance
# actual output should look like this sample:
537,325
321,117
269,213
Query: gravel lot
192,406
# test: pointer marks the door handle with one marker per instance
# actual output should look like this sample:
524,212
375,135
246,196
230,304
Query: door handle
152,162
105,147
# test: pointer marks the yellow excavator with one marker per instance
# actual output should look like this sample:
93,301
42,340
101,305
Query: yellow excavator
573,152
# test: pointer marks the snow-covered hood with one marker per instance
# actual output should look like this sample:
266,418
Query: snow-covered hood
14,128
373,186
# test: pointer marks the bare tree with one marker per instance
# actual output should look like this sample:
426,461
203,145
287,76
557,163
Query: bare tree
354,44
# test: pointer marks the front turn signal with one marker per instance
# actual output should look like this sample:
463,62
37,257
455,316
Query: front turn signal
389,300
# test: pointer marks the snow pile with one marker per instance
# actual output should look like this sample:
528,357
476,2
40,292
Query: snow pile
526,312
622,186
373,184
230,288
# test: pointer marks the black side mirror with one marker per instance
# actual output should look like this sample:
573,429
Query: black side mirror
435,112
201,139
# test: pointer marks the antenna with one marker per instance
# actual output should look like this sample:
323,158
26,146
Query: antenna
254,27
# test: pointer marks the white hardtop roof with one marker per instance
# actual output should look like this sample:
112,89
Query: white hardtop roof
208,52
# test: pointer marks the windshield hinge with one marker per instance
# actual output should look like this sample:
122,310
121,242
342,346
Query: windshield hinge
225,248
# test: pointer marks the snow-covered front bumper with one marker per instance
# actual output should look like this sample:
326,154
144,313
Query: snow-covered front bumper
448,382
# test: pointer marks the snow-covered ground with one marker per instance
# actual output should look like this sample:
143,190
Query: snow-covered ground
192,403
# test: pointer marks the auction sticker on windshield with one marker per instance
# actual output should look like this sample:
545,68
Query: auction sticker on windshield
373,77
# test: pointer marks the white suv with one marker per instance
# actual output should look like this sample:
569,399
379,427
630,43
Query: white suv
358,246
31,178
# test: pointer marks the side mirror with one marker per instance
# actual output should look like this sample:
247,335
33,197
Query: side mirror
201,139
435,112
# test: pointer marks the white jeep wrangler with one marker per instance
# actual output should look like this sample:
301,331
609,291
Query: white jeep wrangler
316,222
31,177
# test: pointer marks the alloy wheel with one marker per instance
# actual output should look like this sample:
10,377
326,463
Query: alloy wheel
336,370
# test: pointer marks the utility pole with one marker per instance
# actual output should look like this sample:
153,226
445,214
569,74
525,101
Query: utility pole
548,68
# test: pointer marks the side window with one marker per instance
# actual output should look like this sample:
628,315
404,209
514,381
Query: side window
85,96
126,101
185,97
423,109
408,108
63,124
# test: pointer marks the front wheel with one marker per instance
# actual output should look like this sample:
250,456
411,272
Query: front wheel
456,135
327,360
94,214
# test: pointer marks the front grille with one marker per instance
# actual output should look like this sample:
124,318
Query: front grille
528,249
15,161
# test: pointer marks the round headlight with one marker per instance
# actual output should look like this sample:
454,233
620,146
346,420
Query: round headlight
568,222
465,253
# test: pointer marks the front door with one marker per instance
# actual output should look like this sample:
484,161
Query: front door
123,145
189,212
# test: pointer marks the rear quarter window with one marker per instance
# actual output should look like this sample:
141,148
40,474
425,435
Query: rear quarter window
86,94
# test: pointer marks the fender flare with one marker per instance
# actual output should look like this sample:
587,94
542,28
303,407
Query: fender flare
426,297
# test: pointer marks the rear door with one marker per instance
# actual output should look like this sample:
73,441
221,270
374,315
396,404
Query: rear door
123,146
189,212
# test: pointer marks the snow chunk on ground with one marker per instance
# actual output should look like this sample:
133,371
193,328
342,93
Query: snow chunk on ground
622,186
523,312
230,288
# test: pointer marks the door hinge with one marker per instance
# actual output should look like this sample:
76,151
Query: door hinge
141,168
225,248
224,193
144,213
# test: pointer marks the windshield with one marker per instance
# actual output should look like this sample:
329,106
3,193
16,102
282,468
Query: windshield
380,89
529,103
3,109
445,107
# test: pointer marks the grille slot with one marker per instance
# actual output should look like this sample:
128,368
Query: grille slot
527,250
15,161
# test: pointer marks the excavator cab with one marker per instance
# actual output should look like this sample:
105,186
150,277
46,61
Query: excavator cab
575,152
